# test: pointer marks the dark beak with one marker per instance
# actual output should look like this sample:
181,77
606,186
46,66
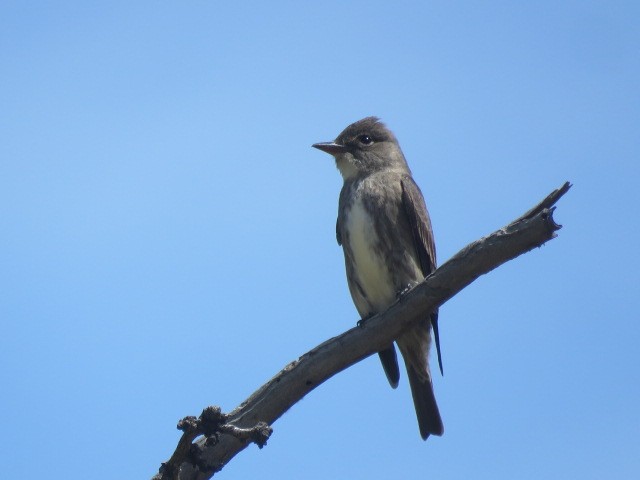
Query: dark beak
330,147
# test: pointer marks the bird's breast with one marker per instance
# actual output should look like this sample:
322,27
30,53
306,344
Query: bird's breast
370,265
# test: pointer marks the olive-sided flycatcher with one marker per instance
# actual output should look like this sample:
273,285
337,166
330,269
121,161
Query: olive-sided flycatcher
385,232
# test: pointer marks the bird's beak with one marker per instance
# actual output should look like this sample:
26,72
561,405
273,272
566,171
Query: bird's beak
331,148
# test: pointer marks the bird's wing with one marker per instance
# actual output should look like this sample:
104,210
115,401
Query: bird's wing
342,199
420,224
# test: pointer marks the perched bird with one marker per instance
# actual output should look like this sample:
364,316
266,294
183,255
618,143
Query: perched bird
384,229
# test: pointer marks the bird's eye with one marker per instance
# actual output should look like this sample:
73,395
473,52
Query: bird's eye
365,139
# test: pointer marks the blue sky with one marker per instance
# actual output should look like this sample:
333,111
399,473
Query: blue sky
168,232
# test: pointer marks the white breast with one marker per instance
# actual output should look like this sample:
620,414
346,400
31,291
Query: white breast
370,270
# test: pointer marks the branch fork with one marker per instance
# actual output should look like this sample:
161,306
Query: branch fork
210,424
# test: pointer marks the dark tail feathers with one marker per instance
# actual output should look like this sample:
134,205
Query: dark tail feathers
390,364
424,401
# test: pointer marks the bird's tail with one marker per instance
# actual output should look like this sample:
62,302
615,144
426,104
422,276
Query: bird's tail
424,401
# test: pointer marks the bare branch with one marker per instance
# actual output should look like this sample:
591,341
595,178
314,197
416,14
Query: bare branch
250,421
548,202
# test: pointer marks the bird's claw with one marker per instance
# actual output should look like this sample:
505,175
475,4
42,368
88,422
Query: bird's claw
362,321
403,292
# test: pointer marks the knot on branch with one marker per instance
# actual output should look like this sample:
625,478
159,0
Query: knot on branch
209,424
258,434
211,419
188,425
167,470
212,422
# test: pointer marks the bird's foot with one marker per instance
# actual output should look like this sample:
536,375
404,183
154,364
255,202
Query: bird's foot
403,292
362,321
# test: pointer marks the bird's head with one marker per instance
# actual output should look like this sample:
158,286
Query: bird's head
364,147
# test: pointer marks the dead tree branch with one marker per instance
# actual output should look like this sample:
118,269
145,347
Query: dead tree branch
224,435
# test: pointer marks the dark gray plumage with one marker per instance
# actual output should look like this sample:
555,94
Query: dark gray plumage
385,232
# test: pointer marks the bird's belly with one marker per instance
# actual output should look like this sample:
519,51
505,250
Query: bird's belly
371,270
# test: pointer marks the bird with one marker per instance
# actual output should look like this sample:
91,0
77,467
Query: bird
385,232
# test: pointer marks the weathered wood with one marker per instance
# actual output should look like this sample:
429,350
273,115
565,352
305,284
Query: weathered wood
203,458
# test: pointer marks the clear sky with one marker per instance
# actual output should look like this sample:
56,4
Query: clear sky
168,234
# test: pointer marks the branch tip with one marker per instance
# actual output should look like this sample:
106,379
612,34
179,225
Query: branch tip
548,202
188,424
